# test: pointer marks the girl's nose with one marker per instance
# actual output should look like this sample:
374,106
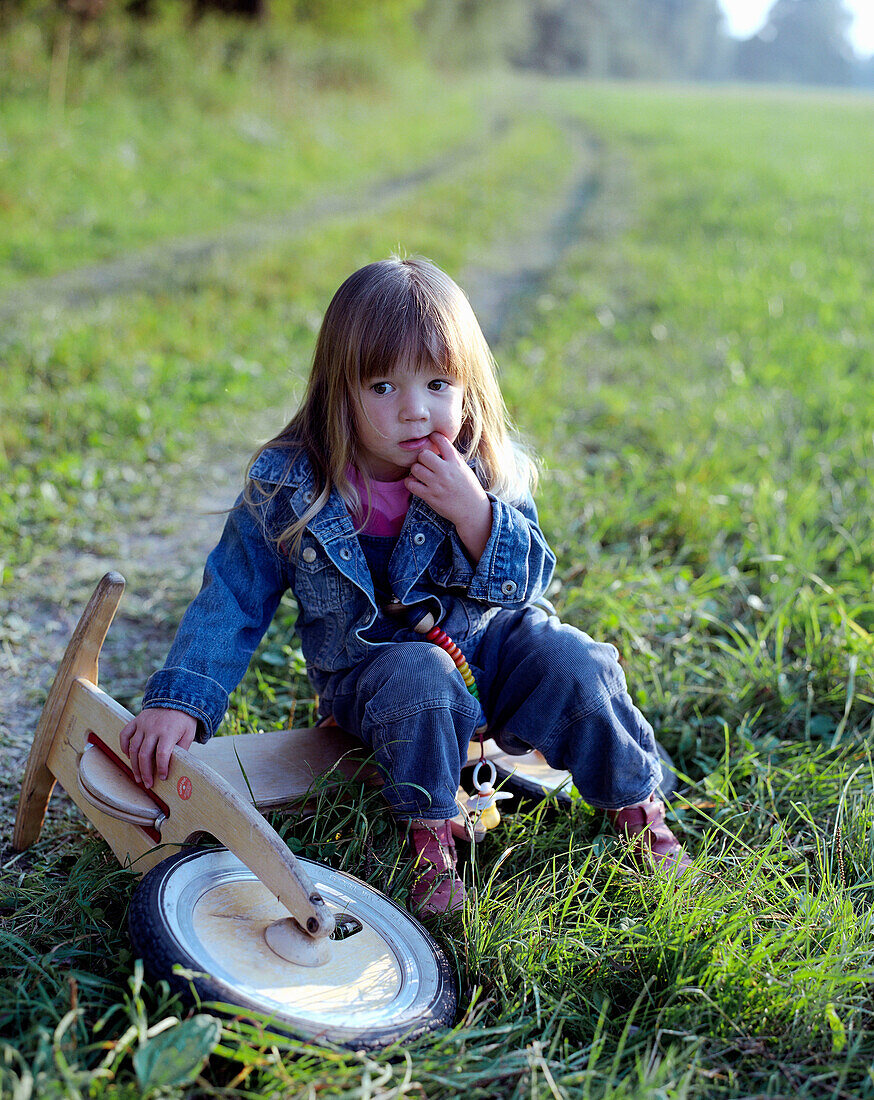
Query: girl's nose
413,408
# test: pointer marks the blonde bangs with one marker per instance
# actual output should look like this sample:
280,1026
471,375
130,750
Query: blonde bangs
421,343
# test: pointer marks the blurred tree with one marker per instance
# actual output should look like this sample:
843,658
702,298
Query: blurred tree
473,32
627,38
334,16
353,15
865,73
69,19
247,9
803,41
568,36
686,34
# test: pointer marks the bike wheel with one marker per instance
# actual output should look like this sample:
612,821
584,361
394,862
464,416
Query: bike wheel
206,912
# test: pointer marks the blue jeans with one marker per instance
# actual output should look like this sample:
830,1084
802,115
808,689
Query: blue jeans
540,680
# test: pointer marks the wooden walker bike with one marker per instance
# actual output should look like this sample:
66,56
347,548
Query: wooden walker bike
316,951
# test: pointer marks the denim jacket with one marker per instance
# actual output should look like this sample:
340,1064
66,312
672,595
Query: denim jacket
247,574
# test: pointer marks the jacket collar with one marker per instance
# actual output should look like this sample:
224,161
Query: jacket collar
420,536
279,466
292,469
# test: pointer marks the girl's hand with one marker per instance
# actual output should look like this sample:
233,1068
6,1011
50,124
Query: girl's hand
149,740
442,478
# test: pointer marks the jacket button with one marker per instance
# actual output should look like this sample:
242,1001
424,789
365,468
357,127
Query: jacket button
508,588
418,538
309,554
345,553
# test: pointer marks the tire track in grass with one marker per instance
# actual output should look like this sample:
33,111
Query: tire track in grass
163,559
509,280
169,264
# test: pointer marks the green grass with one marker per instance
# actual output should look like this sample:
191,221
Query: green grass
206,128
711,481
694,373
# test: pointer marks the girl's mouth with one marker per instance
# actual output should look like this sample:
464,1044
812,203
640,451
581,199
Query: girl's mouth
413,444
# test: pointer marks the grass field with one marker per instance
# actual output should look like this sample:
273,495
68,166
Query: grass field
695,371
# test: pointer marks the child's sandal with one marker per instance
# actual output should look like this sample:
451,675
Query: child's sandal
437,888
655,846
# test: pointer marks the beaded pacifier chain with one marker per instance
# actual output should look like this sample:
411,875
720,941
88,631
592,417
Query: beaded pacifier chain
482,805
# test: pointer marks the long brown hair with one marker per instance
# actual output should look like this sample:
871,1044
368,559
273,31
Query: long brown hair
396,310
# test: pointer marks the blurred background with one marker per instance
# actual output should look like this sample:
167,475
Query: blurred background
803,41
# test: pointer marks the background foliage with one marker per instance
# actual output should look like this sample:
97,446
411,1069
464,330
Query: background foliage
802,41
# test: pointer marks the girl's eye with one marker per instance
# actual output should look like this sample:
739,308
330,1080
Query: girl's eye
381,388
438,384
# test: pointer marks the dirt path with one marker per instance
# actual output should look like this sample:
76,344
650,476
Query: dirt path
170,264
162,558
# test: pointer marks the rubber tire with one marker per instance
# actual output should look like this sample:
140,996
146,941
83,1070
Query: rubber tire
160,950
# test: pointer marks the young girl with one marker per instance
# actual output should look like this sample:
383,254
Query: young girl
395,490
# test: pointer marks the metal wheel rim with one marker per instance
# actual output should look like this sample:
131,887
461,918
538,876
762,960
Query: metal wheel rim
422,970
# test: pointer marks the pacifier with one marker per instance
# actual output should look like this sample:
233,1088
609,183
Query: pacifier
482,805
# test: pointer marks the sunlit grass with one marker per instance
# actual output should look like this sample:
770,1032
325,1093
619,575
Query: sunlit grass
207,128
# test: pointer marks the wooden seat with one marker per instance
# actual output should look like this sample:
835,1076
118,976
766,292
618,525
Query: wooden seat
103,783
280,767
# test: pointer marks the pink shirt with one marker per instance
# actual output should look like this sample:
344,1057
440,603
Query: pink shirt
389,501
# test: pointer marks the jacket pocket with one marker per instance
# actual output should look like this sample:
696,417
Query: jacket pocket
450,568
317,580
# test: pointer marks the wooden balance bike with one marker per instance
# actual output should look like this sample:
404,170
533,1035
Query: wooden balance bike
315,951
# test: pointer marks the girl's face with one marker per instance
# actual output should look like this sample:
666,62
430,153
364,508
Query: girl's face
396,413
